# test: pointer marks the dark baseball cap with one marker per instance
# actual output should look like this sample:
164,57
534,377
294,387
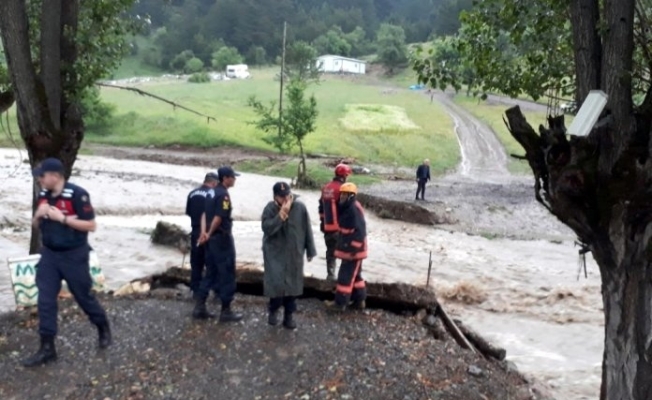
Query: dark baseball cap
281,189
211,176
48,165
226,172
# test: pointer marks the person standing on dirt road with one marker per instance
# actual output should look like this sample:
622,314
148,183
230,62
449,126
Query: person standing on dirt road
287,237
195,209
220,259
328,215
351,249
64,216
423,176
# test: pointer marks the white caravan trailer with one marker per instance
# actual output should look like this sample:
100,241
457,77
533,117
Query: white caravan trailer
237,71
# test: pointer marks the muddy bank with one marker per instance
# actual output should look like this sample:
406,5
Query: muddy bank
160,352
403,211
485,209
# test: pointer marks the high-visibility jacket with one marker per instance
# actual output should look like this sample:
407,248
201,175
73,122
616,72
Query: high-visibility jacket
328,206
352,241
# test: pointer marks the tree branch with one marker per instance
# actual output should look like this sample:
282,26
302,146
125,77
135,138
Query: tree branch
147,94
50,52
585,15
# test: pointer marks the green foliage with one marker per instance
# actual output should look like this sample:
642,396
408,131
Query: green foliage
301,62
514,48
392,49
199,77
446,61
297,121
197,25
179,62
193,65
101,41
333,42
98,115
256,55
226,56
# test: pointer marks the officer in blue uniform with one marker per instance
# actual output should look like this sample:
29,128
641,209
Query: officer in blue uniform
65,216
195,207
220,259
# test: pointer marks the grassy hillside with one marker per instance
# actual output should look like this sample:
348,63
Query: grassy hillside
423,129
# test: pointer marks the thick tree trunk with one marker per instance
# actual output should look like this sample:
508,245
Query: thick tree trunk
612,213
50,123
627,298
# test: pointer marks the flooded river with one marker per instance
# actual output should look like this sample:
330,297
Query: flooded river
528,298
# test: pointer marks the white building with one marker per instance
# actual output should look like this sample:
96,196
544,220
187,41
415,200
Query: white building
339,64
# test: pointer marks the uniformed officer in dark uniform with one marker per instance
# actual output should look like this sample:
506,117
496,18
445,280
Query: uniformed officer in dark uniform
195,207
65,216
220,259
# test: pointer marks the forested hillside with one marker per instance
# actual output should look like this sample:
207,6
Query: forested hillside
251,30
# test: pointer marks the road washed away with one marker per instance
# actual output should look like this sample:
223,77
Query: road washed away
524,295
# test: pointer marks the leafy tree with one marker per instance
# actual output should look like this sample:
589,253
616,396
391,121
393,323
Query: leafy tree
392,50
523,48
193,65
256,55
333,42
598,185
445,60
199,77
98,115
290,129
179,62
55,50
359,44
226,56
301,62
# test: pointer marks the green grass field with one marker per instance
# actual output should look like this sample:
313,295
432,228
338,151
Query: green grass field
144,121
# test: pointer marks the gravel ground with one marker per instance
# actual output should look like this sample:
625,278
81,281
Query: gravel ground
487,209
160,353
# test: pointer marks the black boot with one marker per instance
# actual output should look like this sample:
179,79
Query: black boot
104,331
227,315
272,318
200,311
288,321
45,354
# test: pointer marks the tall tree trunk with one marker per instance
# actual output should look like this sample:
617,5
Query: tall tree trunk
50,122
627,298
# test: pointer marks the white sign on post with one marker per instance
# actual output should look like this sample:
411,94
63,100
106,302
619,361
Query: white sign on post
589,113
23,278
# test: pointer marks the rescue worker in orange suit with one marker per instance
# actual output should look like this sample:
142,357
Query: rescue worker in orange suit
328,215
351,249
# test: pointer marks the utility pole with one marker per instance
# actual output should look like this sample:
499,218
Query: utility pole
280,94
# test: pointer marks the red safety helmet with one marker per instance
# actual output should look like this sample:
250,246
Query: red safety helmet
343,170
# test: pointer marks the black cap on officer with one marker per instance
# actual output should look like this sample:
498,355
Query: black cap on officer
226,172
281,189
49,165
211,176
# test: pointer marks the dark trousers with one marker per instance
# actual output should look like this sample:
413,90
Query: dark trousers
330,238
289,304
220,269
350,285
73,267
421,188
197,261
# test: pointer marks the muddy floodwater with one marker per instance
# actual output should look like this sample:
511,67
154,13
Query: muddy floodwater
522,294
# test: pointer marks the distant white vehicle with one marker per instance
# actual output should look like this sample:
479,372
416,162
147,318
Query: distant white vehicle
569,108
238,71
